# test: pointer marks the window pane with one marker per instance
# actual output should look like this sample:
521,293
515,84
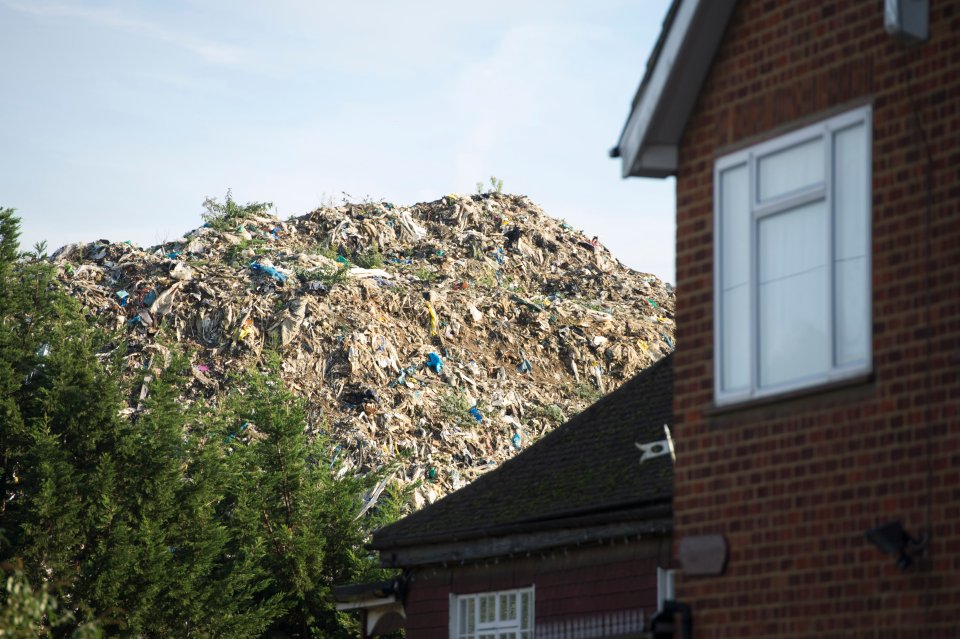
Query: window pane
790,169
463,616
793,273
852,308
735,338
851,191
734,279
734,227
851,206
525,616
487,609
508,607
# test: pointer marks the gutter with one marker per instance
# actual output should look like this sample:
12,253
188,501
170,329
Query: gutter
651,509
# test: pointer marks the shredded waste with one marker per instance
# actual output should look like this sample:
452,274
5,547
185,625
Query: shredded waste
441,338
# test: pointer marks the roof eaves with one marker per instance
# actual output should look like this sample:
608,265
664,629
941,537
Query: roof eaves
652,509
648,145
527,540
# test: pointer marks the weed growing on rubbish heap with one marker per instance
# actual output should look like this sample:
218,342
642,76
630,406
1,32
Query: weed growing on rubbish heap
328,276
496,186
226,215
368,259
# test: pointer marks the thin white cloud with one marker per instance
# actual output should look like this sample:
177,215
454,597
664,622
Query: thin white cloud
208,50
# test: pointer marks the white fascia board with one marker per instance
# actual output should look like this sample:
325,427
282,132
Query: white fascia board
638,125
650,140
367,603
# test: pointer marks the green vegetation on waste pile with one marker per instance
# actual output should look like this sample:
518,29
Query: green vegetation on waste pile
496,186
178,520
454,409
234,252
327,276
368,259
587,392
425,275
227,215
371,258
551,412
324,250
487,279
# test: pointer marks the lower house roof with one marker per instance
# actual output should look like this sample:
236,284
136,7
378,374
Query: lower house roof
584,478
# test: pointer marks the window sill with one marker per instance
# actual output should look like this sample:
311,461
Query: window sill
863,379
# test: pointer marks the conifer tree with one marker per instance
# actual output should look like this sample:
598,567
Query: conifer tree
123,520
307,517
177,521
58,409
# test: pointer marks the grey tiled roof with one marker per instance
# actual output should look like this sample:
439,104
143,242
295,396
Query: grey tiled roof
588,468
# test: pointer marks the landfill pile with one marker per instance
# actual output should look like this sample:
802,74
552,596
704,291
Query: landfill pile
439,339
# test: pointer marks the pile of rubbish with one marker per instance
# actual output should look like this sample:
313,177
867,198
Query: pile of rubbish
440,338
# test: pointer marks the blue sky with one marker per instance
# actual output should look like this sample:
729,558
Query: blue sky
118,118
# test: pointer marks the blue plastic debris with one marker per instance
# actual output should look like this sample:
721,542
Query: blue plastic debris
524,366
123,296
275,232
477,415
406,377
150,297
667,340
268,270
172,255
434,362
516,440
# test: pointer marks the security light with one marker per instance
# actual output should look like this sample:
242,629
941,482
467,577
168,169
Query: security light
892,539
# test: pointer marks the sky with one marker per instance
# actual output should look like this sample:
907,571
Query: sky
119,118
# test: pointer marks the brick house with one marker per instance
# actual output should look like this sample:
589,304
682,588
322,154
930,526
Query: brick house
817,395
570,538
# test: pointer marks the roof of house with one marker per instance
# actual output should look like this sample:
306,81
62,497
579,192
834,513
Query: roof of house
584,473
676,70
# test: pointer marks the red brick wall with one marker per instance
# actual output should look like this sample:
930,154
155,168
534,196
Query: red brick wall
795,484
576,583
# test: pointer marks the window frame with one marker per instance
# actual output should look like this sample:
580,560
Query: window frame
493,628
750,157
666,586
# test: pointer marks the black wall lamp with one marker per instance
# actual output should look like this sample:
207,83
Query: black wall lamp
892,539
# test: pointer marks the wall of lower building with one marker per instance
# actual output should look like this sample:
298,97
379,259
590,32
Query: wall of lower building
795,484
577,585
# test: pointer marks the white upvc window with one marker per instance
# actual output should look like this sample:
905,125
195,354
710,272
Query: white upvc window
506,614
792,288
